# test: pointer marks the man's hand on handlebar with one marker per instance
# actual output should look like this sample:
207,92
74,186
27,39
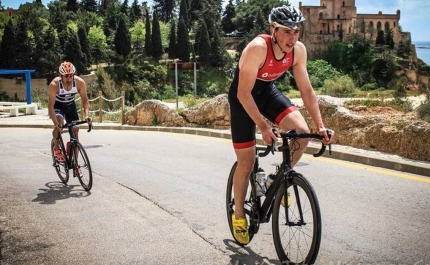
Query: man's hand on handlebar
268,135
328,135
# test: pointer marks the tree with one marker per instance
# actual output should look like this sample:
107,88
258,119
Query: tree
183,13
85,47
217,51
183,45
135,12
404,49
172,40
380,41
137,35
72,51
7,47
203,45
98,44
49,53
24,58
157,48
148,38
125,8
260,25
247,11
388,39
89,5
113,16
383,71
164,9
58,15
227,17
72,5
122,39
196,6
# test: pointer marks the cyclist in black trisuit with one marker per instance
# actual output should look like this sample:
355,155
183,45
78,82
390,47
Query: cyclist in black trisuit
253,95
61,101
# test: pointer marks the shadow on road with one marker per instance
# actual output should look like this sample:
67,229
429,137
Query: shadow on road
244,255
58,191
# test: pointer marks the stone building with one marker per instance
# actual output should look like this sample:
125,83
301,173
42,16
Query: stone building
338,19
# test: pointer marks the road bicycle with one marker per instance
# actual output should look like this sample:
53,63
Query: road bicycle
288,196
76,159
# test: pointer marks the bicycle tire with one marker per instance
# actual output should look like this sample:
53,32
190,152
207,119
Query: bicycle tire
60,167
299,243
80,160
252,222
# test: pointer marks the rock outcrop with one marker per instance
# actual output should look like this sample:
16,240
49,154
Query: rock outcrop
409,138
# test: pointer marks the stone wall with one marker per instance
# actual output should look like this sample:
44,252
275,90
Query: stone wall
376,133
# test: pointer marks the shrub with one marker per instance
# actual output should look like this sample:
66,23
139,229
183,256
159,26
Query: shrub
319,71
423,111
339,86
168,92
369,87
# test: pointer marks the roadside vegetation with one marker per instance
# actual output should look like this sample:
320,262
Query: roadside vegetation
130,48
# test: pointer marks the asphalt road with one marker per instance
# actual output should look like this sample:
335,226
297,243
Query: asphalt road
159,198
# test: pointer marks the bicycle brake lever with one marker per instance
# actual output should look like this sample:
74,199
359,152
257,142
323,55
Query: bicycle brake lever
329,134
90,126
272,147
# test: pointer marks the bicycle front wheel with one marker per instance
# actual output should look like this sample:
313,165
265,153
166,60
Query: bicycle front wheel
296,222
82,167
60,167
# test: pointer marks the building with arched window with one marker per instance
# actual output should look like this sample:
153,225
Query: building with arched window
338,20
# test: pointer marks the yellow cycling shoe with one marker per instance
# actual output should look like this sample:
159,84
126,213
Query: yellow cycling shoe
288,200
240,229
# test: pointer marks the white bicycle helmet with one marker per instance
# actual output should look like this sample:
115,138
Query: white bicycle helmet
286,17
66,68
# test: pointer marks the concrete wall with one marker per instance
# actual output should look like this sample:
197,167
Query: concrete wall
39,87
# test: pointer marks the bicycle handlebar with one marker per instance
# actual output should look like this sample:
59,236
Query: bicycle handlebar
294,135
74,123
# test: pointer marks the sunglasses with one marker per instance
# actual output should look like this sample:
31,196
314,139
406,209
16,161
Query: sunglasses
68,75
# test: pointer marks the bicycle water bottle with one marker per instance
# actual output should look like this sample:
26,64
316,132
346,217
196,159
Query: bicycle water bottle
260,179
270,180
67,147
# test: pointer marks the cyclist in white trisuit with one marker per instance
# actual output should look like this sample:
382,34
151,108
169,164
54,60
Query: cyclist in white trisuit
61,101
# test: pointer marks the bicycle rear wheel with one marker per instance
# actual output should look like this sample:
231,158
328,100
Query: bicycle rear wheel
82,167
251,212
297,240
60,167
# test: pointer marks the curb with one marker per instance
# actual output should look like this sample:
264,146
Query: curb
403,165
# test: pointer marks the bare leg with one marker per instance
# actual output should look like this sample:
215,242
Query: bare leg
56,131
295,121
245,163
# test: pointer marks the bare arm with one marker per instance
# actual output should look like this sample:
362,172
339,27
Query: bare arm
52,93
82,90
306,90
252,58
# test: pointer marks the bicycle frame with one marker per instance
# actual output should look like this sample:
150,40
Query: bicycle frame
265,208
69,155
284,173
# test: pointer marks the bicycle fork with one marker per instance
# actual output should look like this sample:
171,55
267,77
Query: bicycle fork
301,221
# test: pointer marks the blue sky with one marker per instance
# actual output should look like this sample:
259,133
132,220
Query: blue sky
413,13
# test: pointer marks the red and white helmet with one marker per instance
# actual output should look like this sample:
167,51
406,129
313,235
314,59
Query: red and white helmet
66,68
